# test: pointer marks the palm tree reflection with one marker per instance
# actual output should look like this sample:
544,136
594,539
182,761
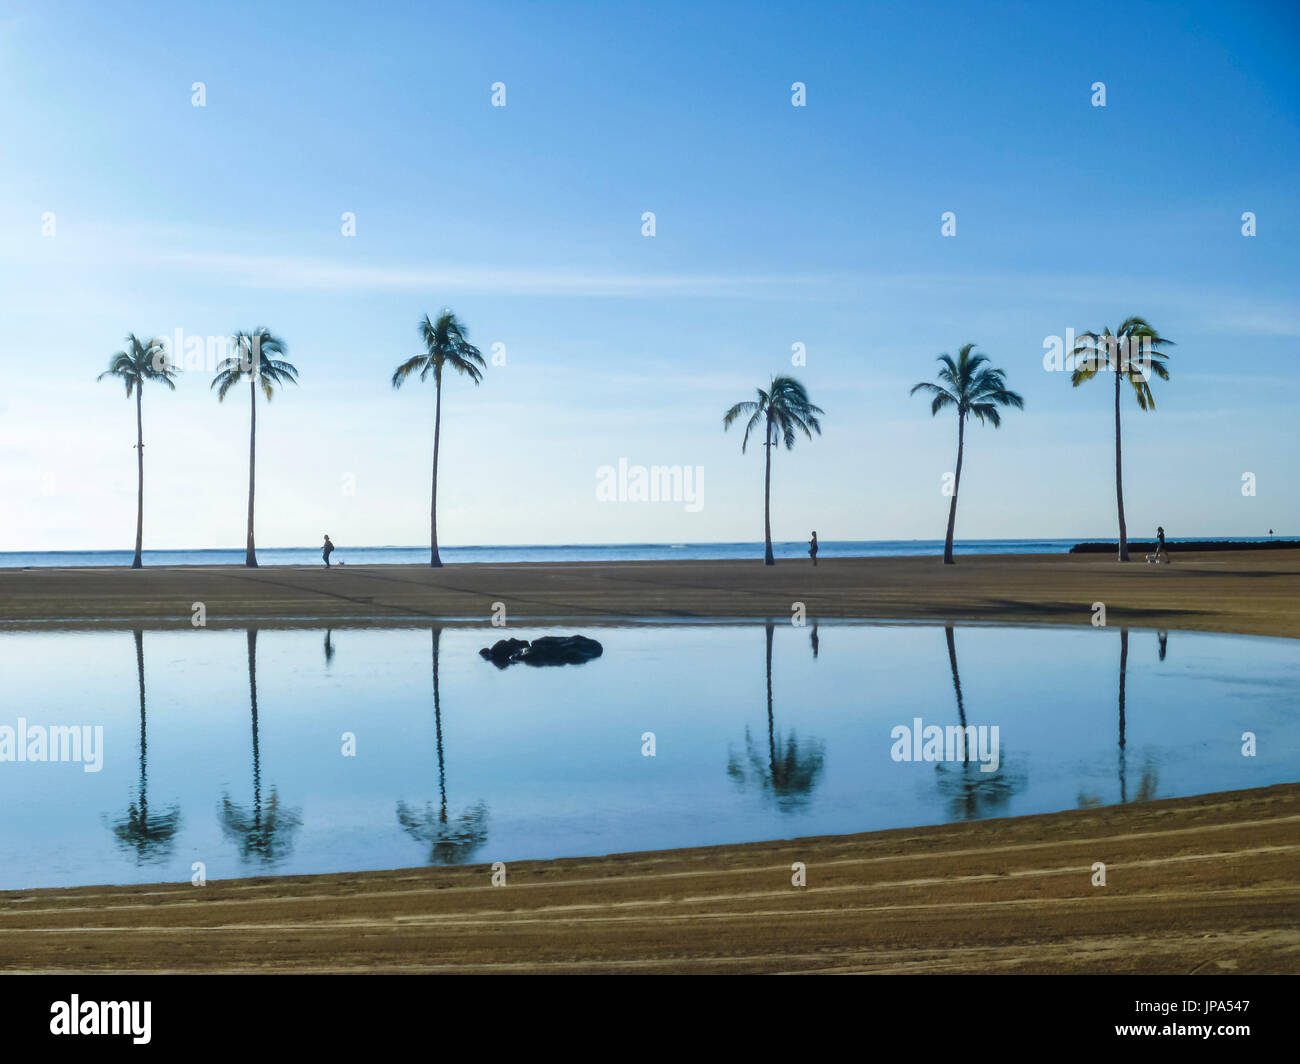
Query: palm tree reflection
450,840
972,793
265,832
1149,780
789,772
148,835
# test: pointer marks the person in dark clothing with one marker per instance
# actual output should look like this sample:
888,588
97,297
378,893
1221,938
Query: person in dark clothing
1160,543
326,551
812,549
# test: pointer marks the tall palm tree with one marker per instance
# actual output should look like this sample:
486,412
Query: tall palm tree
446,345
259,356
974,390
782,409
142,360
1133,353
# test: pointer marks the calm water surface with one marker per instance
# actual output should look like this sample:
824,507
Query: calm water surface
227,746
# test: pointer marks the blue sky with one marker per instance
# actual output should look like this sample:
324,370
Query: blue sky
775,225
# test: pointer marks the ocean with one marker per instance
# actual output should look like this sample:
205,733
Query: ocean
578,552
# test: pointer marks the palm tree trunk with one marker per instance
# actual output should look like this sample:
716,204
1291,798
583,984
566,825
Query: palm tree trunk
1119,477
434,560
767,499
138,562
956,487
250,553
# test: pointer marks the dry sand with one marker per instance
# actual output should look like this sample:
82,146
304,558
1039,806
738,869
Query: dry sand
1203,884
1249,592
1206,884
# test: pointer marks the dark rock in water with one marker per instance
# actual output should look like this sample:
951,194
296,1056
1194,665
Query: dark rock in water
504,651
561,650
548,650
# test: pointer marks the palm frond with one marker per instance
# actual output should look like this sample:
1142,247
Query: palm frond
785,406
974,386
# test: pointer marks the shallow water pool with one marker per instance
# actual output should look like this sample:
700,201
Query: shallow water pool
287,751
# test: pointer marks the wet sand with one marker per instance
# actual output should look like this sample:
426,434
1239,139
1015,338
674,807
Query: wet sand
1248,592
1205,884
1200,885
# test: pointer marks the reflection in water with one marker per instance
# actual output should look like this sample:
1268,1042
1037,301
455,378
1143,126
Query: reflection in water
1149,780
449,841
956,681
148,835
972,793
266,832
789,773
1054,691
1164,643
329,646
814,640
1123,679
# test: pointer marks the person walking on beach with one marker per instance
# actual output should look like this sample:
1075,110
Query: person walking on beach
326,551
1160,543
812,549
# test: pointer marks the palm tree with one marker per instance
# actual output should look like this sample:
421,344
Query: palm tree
259,357
143,360
445,345
1117,352
782,409
972,389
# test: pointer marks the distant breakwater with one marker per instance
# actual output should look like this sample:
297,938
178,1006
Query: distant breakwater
1138,546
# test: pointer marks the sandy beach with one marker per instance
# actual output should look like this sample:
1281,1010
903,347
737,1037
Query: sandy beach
1256,593
1199,885
1204,884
